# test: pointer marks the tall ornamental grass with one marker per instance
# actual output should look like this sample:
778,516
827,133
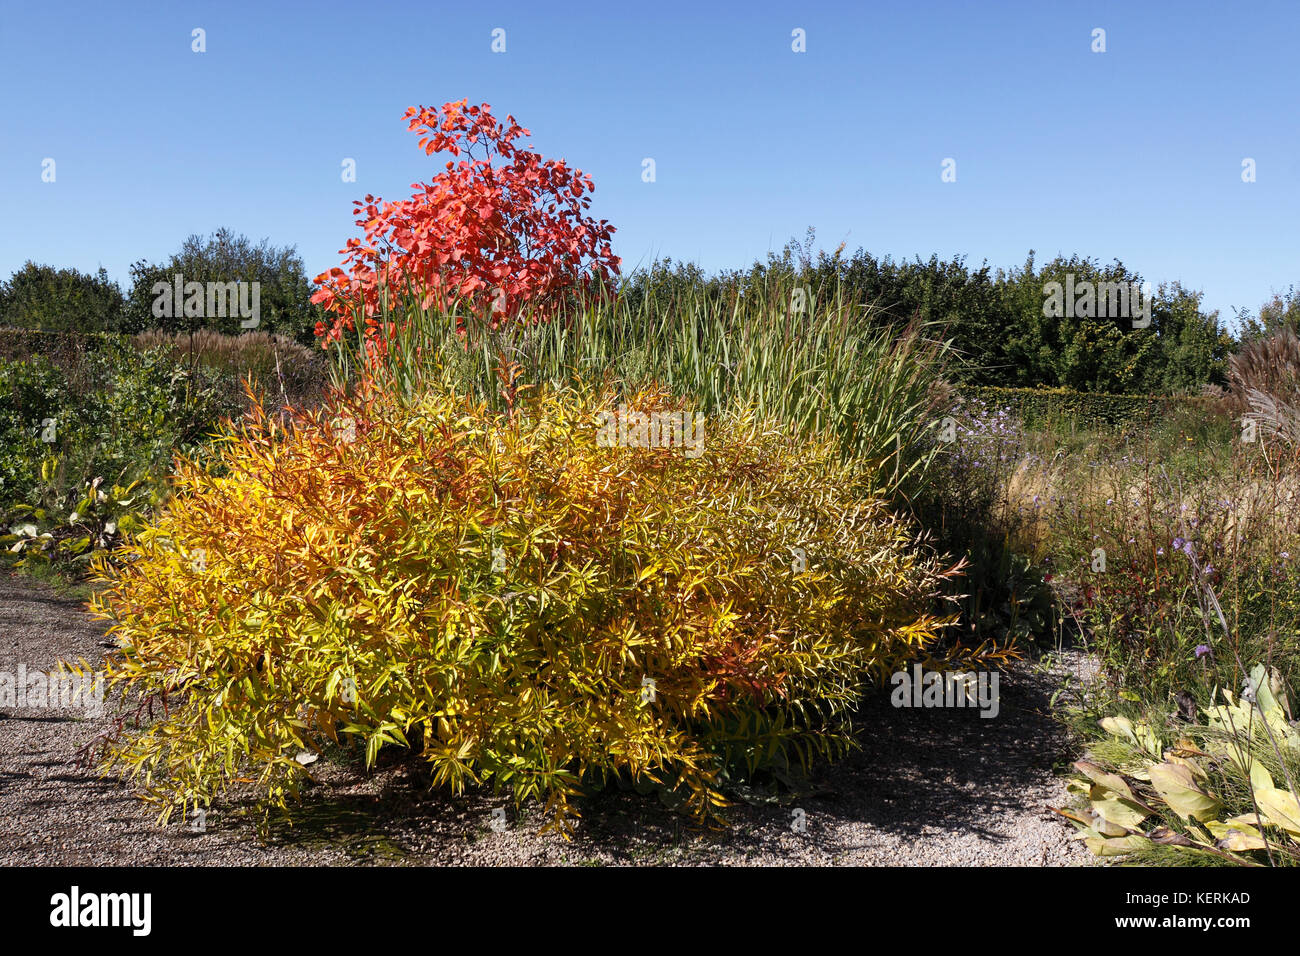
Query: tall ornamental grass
816,362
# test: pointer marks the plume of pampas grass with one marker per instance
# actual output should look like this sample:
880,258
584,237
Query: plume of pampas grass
1269,367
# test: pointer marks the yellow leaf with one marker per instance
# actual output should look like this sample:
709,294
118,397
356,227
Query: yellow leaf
1176,784
1109,781
1115,846
1280,808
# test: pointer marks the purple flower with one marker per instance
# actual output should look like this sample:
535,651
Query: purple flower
1202,650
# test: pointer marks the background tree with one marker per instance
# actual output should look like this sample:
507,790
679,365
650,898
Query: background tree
1195,346
286,291
1280,311
1097,353
43,297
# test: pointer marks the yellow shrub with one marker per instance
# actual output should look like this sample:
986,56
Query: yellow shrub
513,599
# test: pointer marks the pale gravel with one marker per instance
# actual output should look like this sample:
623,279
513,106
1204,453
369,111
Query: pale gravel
928,788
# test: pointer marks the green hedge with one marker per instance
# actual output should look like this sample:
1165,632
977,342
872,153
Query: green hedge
68,352
1054,407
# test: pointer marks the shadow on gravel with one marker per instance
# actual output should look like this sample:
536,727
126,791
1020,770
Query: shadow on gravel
946,769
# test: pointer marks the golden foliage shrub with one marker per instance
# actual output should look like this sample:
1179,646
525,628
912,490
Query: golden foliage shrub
516,601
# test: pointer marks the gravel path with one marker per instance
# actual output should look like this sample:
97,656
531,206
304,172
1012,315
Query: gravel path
929,787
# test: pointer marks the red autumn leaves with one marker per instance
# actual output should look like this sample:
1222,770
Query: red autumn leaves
499,230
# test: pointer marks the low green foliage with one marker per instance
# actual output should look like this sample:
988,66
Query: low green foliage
85,450
63,528
284,372
1179,791
30,392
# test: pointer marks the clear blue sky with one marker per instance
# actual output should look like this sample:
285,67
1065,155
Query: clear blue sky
1134,153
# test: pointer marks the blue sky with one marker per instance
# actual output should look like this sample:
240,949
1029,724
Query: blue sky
1135,153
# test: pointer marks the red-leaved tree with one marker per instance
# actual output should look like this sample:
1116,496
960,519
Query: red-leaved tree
499,231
